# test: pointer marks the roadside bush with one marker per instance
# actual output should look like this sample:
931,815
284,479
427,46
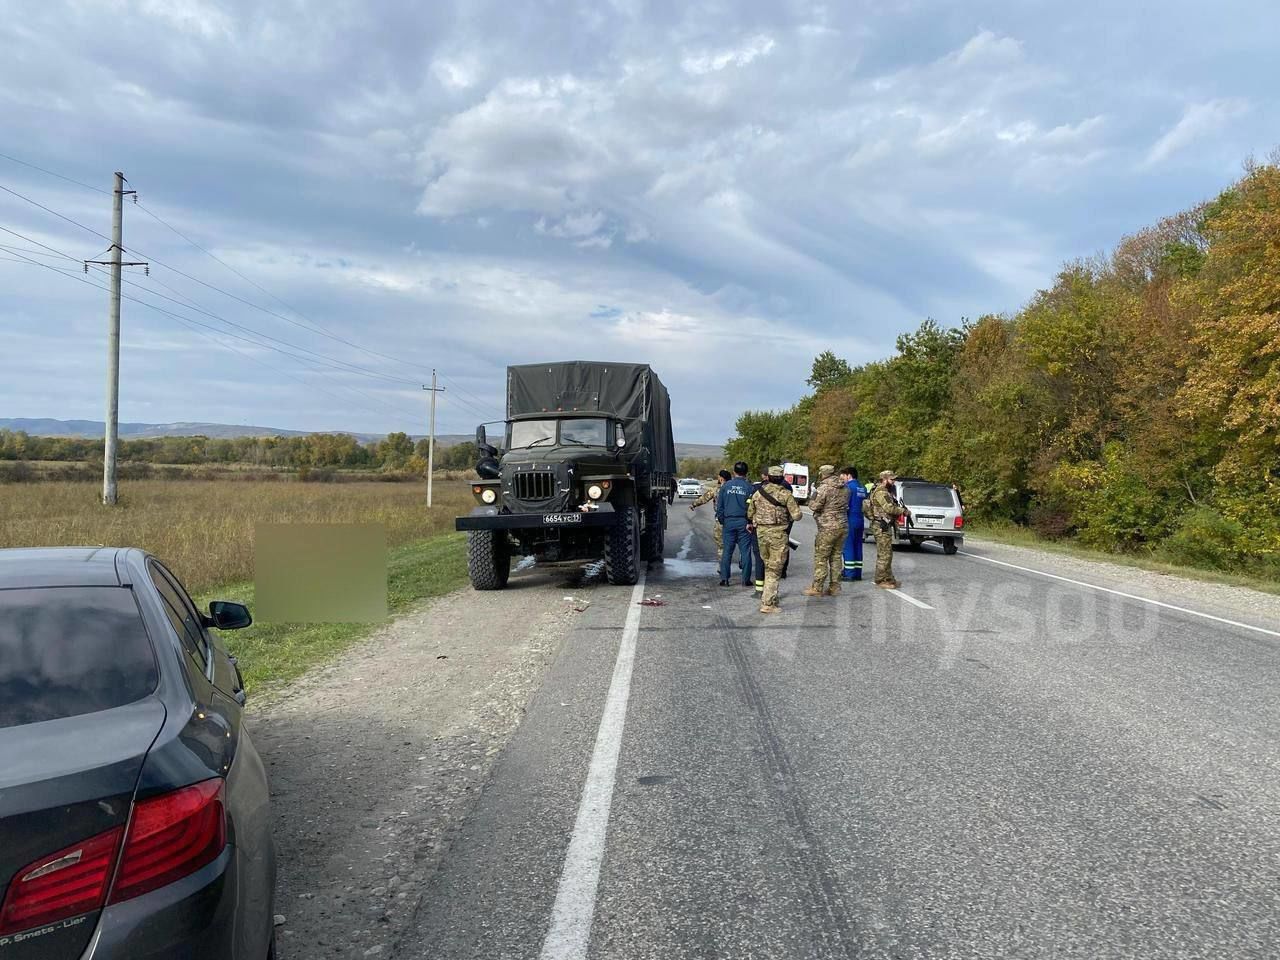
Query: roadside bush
316,475
1205,538
16,471
134,471
1050,521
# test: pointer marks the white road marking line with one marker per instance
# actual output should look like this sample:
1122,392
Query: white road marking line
919,603
1127,596
570,930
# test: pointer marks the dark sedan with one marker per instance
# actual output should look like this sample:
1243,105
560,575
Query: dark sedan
134,813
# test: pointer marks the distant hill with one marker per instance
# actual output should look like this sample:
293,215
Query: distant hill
45,427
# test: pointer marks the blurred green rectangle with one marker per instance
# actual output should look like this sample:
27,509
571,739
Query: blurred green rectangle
320,572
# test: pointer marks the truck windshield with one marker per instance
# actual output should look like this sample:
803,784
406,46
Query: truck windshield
593,432
532,433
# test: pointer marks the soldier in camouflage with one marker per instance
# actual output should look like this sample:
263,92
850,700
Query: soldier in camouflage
885,510
709,496
830,507
769,511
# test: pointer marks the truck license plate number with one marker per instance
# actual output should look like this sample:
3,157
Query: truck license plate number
561,518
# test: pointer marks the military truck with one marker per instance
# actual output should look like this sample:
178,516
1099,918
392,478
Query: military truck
586,472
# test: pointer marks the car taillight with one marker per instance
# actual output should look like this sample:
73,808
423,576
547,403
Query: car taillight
171,836
64,884
959,522
902,520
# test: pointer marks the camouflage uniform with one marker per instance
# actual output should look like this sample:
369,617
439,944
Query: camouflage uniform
707,496
884,506
830,506
771,533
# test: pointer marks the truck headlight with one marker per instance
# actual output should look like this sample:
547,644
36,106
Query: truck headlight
489,496
595,492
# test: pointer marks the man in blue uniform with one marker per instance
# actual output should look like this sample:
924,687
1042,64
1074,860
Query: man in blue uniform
853,542
731,512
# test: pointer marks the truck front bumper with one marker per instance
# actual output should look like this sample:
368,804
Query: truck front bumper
488,518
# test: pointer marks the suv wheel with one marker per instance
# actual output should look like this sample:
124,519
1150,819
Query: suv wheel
949,547
622,548
488,559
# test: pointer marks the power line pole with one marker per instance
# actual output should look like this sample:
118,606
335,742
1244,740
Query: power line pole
431,437
113,337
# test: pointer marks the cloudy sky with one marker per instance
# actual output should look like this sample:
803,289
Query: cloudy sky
720,189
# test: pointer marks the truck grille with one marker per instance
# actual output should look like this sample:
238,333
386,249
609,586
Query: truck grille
535,485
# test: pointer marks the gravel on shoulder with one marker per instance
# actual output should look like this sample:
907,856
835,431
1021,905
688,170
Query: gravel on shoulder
376,759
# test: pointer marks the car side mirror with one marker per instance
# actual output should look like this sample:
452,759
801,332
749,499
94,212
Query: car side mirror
226,615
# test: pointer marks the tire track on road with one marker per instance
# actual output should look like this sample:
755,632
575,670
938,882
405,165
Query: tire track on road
827,904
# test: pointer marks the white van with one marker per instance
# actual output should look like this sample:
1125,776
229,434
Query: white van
797,474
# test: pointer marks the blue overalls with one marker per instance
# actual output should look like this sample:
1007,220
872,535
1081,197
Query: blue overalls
731,511
853,542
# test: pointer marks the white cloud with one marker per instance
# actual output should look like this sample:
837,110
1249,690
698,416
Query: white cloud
1198,120
987,48
740,56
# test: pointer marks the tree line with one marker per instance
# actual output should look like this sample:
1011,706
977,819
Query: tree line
396,451
1133,405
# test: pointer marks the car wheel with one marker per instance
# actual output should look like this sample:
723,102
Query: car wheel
949,547
917,542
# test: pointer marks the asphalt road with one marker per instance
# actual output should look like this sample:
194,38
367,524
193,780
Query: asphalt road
1009,766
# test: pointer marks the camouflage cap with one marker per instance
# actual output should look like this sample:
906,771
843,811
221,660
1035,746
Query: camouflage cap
826,470
887,474
775,473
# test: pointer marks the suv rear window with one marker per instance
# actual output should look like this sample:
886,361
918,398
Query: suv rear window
927,495
65,651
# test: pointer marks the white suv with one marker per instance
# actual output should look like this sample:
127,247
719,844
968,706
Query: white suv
934,513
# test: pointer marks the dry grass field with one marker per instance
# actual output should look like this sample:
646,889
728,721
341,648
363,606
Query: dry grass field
204,529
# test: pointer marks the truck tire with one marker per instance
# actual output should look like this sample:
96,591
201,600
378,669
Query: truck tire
655,534
488,559
622,548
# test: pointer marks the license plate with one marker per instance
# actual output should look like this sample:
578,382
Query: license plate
553,519
928,521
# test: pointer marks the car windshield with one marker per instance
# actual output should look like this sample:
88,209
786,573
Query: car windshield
532,433
66,651
927,495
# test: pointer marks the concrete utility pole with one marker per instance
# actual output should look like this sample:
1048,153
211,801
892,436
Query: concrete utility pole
431,437
113,336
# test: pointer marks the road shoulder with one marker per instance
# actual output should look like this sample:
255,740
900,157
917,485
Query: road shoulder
377,758
1222,599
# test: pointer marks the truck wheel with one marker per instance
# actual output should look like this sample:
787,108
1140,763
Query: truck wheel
622,548
949,547
488,559
655,534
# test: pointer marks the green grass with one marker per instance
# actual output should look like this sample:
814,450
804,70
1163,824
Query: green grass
1002,531
270,655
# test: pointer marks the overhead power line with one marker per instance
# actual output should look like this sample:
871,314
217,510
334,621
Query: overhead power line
310,325
36,203
194,324
78,183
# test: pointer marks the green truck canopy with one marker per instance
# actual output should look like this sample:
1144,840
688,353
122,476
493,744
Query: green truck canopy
630,391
